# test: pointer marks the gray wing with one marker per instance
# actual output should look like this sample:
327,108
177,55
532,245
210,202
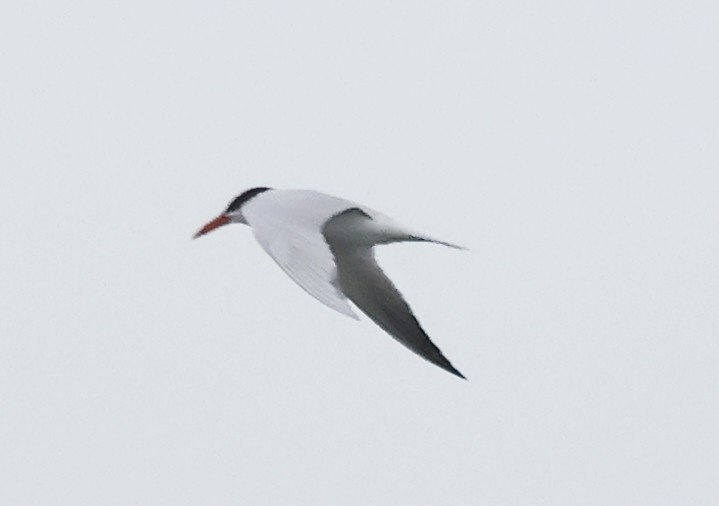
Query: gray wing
364,283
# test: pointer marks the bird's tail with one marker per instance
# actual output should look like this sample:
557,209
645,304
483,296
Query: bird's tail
424,238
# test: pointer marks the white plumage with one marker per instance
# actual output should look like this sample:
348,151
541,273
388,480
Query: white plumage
288,226
325,244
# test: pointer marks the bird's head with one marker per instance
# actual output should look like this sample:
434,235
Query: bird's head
233,213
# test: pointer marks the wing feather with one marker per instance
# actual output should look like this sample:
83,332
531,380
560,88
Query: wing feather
364,282
295,242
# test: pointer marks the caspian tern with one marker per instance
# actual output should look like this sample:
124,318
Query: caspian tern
325,244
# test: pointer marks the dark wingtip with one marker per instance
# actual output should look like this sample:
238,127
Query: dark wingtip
445,364
441,361
454,371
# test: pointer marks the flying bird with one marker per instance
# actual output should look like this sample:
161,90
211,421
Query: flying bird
325,244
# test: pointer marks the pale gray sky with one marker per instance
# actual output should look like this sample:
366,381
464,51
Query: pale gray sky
573,147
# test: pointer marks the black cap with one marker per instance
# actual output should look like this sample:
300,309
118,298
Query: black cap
244,197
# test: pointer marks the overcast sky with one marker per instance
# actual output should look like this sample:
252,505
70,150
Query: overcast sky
571,146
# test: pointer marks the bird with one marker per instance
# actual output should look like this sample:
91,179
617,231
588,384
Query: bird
326,245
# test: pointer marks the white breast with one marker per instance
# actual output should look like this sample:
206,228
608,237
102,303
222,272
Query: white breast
288,225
